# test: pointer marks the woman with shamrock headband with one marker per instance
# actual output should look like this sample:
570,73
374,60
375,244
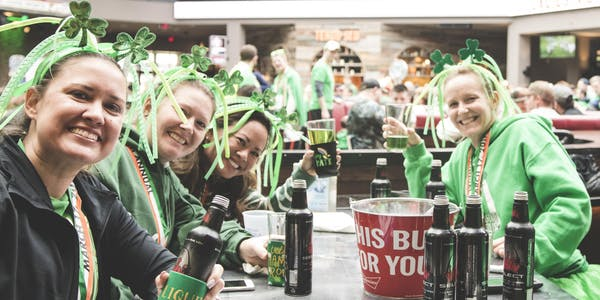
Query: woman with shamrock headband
227,166
505,152
64,234
177,110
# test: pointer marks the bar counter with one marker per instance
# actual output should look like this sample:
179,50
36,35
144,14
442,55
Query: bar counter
337,274
358,169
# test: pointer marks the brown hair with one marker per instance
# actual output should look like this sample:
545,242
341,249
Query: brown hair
19,125
192,168
544,90
248,52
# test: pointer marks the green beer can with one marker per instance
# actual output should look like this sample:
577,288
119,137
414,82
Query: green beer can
276,263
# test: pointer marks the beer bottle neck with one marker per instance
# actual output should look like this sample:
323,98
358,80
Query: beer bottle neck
520,212
299,198
473,217
214,217
380,172
441,218
436,174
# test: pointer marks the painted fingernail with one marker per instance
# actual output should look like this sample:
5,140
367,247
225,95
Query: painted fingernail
210,284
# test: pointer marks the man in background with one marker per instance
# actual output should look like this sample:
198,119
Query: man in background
322,84
366,117
564,100
520,96
541,101
248,59
401,94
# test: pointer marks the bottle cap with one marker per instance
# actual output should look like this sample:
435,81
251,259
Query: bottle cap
381,161
299,184
440,200
221,201
473,199
521,196
436,163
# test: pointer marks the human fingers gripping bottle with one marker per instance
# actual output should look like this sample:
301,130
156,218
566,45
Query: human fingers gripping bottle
198,256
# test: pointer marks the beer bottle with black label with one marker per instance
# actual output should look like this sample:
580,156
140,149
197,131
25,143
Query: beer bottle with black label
519,242
472,254
440,242
435,186
381,187
203,244
298,243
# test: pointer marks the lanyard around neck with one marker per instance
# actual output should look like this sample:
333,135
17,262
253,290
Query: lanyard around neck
150,196
483,149
86,244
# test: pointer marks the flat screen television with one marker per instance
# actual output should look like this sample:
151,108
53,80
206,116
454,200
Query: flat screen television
557,46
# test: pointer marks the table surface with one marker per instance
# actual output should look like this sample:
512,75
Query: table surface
337,275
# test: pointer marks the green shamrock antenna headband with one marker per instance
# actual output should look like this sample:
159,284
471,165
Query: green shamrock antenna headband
478,62
75,34
192,66
54,48
249,105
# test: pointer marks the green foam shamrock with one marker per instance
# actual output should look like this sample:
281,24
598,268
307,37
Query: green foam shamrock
440,61
228,82
126,45
471,50
266,98
81,21
197,59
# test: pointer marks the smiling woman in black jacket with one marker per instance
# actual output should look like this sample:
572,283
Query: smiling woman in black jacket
63,233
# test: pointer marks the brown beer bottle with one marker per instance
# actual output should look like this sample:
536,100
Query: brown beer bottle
440,246
472,248
298,243
519,243
381,187
203,244
435,186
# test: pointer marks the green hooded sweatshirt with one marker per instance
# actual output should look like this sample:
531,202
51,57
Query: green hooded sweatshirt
523,155
181,212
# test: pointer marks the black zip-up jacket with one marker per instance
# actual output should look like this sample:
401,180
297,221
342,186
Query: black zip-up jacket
39,250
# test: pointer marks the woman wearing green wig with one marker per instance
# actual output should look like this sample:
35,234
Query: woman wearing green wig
230,165
177,110
506,152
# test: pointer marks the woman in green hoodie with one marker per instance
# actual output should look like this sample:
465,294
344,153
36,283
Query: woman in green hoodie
503,153
172,127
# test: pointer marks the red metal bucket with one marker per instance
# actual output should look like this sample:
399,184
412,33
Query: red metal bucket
390,234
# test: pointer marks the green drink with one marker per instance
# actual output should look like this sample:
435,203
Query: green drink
320,136
397,142
276,261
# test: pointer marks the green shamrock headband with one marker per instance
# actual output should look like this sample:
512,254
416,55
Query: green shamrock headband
248,105
478,62
75,34
192,66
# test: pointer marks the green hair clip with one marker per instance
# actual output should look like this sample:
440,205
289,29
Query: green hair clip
258,102
478,62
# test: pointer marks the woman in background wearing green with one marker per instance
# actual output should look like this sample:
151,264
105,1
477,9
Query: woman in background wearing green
505,152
